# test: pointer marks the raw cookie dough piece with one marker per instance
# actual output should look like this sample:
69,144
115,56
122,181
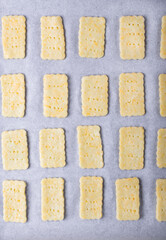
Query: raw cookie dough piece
163,38
52,38
162,90
161,148
131,94
55,102
127,199
91,190
161,200
52,148
95,95
52,199
14,201
90,147
132,37
15,150
13,36
91,37
13,95
131,148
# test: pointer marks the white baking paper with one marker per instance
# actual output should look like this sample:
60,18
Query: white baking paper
34,68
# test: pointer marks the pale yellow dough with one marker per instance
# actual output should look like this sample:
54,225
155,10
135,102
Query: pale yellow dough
13,95
91,197
13,36
127,199
163,38
162,92
14,201
161,148
15,150
131,94
132,37
90,147
52,199
52,38
55,99
161,199
52,148
95,95
131,148
91,37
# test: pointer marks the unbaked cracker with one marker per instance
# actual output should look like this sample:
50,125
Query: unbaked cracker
13,95
90,147
52,148
161,199
127,199
15,150
13,36
91,197
91,37
161,148
52,199
132,37
162,91
52,38
131,148
163,38
95,95
55,102
14,201
131,94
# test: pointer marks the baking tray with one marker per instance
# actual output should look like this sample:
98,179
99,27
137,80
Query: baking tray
72,227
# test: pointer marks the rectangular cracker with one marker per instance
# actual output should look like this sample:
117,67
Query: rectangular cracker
127,199
90,147
55,101
131,94
95,95
161,199
91,37
163,38
13,36
131,148
52,38
13,95
91,197
14,201
52,148
162,92
161,148
15,150
52,199
132,37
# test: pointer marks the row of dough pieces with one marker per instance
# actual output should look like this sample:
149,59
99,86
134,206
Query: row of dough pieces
94,95
91,37
52,148
91,199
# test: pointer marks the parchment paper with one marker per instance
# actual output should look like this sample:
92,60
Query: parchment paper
73,228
